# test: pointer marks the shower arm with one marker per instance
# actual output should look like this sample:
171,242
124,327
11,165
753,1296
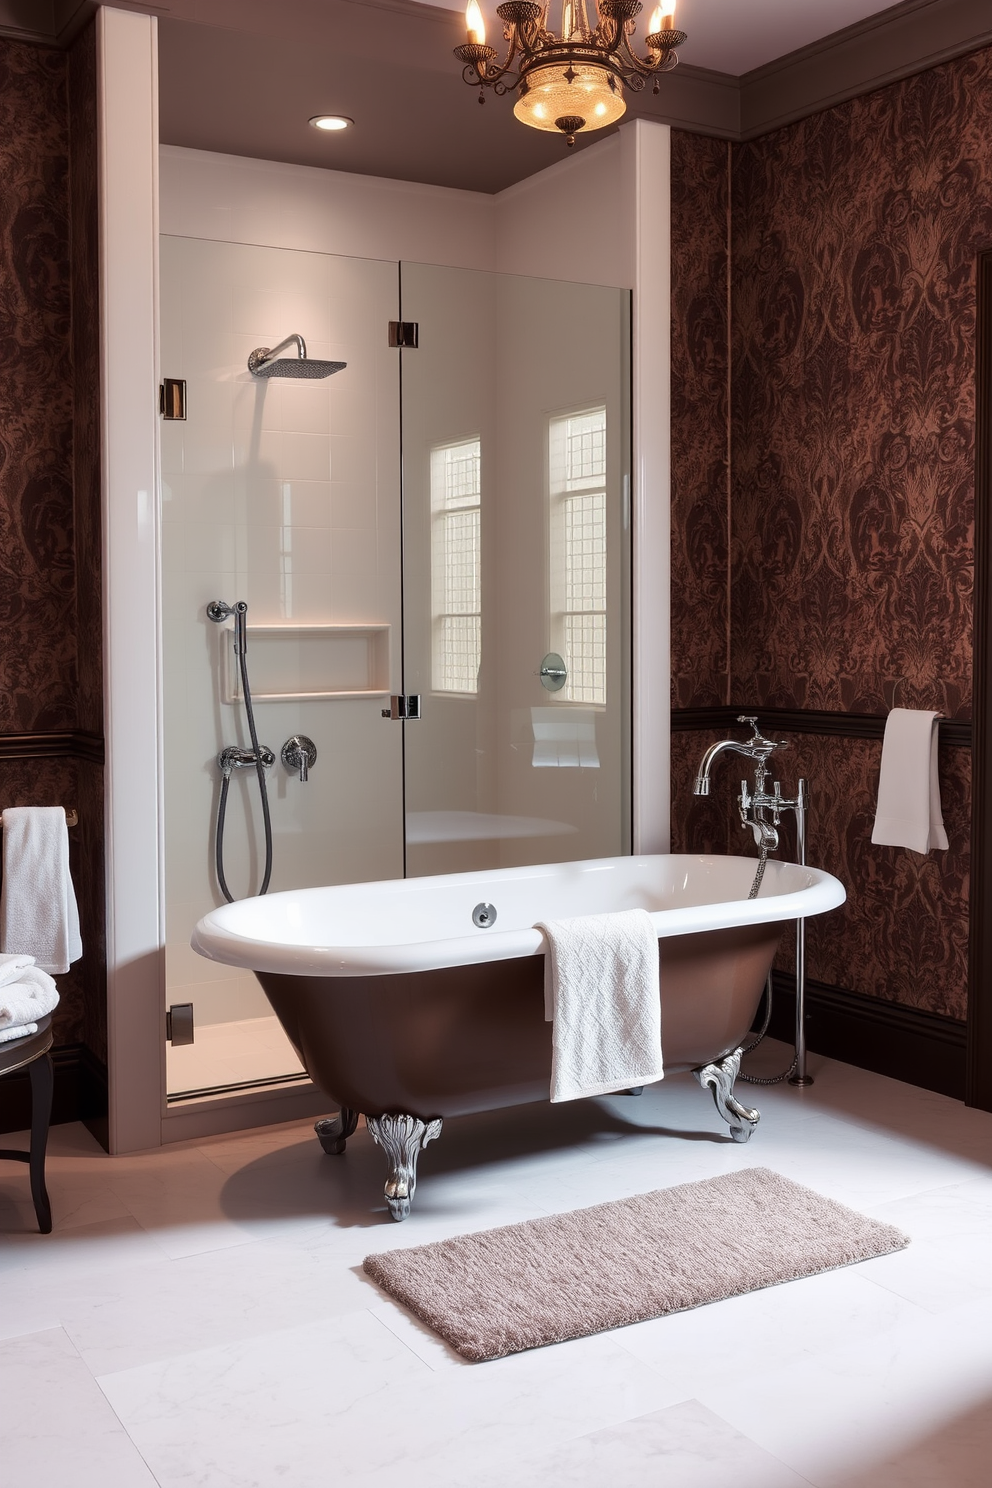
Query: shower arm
272,354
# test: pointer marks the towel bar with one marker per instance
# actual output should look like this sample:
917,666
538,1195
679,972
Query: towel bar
71,816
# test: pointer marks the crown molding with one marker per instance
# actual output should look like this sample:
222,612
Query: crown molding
900,41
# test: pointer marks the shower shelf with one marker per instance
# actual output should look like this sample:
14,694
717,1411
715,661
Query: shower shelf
312,663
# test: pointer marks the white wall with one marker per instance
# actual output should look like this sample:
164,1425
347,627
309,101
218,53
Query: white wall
571,221
204,195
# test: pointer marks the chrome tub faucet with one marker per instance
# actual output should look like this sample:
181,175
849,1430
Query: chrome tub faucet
755,806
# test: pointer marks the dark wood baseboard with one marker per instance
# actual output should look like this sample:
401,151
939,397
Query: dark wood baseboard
799,721
887,1038
80,1093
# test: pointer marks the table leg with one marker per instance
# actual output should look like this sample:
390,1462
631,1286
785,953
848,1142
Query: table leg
42,1084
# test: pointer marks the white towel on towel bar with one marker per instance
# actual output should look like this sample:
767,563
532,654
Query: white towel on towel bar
26,994
909,812
38,914
601,991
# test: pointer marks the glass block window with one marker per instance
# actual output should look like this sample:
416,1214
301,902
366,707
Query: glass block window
456,566
577,484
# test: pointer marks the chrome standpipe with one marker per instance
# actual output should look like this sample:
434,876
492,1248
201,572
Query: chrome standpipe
761,810
800,1075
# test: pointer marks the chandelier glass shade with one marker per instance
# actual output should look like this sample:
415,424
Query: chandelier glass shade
576,80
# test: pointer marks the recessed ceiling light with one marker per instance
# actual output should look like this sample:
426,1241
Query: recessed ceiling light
331,122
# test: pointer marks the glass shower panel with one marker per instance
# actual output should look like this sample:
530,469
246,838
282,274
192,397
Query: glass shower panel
516,438
285,494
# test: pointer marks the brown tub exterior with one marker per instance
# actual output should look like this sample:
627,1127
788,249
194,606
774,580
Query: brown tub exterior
449,1042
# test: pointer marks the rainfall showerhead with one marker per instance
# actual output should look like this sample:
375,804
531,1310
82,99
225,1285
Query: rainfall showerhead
266,363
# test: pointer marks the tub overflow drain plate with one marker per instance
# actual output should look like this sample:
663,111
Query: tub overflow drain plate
484,915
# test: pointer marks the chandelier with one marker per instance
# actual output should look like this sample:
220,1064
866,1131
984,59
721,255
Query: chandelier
575,81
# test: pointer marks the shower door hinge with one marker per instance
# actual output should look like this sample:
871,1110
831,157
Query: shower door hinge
172,398
405,334
179,1024
405,708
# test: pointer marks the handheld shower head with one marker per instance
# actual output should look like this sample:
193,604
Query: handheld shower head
264,362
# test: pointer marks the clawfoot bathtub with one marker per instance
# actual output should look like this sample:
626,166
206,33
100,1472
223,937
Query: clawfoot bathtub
418,999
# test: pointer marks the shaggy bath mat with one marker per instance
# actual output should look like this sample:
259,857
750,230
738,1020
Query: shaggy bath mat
557,1278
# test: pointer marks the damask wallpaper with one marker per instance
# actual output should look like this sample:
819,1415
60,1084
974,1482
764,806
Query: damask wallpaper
855,236
853,243
37,572
50,605
700,415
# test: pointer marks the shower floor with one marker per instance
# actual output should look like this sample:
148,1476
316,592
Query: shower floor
246,1052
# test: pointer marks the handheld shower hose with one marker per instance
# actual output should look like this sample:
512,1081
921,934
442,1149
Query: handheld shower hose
259,757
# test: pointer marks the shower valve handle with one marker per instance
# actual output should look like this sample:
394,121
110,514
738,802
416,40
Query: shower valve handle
299,753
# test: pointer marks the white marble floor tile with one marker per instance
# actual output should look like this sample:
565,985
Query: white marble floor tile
861,1401
205,1301
955,1454
273,1406
29,1258
57,1426
685,1446
763,1331
948,1262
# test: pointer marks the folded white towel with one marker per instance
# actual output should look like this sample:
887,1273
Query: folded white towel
601,989
20,1031
26,992
909,813
38,914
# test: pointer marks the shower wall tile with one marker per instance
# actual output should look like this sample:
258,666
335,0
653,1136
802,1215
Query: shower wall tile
307,457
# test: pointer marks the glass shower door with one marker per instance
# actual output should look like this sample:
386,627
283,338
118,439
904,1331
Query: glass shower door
283,493
515,456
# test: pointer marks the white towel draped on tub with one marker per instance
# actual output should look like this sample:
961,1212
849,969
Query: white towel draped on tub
38,914
26,994
602,993
909,812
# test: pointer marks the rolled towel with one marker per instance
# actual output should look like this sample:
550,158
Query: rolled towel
7,1035
909,812
26,993
602,994
38,914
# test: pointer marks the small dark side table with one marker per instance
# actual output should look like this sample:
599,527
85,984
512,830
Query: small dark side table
33,1052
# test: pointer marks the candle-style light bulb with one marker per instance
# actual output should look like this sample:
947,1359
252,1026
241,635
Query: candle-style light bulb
655,24
668,17
475,23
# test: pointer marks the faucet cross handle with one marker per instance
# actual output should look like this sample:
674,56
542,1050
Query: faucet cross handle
757,740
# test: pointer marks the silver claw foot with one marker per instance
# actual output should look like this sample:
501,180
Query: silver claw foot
720,1078
334,1131
401,1139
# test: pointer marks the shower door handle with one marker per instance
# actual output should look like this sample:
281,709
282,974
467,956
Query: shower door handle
405,707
